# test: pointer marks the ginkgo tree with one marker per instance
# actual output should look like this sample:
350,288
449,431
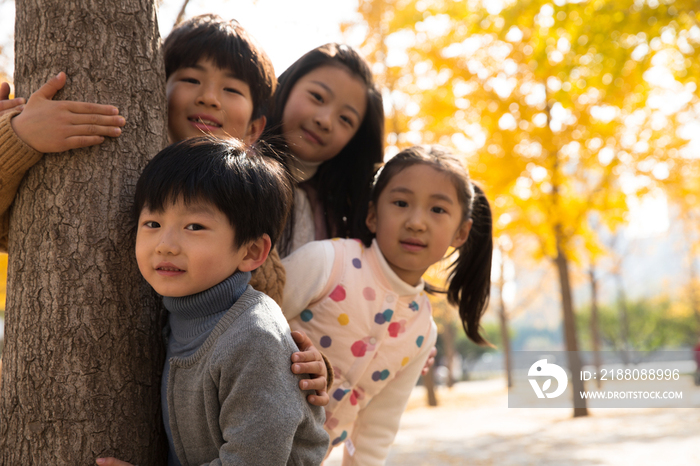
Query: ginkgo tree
559,106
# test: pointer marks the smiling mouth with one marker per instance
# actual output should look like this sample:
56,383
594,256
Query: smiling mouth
312,137
201,121
166,271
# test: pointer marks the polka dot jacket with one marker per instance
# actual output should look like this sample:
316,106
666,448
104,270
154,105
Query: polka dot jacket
369,328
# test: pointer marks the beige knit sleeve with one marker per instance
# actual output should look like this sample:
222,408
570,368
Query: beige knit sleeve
270,277
16,158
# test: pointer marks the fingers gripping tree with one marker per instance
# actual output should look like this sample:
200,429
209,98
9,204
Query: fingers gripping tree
83,353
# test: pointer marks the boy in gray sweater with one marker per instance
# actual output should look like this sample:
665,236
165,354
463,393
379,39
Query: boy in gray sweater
209,211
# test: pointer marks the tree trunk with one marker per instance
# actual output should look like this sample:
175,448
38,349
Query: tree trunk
448,340
580,408
693,286
624,317
503,318
595,330
429,382
181,14
83,351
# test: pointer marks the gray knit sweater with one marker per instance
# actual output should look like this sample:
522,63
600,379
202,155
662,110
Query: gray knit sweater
235,400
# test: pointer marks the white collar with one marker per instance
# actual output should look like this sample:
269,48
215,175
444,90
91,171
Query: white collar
302,170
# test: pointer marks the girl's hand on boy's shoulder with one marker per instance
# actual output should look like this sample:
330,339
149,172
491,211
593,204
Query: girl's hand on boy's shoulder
7,104
111,462
309,361
429,363
48,125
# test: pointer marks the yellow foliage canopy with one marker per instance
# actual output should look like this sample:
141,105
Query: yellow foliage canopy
556,106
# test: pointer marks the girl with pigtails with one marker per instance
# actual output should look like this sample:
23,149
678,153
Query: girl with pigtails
364,301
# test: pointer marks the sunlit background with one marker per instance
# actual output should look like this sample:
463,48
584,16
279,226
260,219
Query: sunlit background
580,120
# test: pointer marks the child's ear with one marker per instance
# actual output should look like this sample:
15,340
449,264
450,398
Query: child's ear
256,253
255,129
371,220
462,233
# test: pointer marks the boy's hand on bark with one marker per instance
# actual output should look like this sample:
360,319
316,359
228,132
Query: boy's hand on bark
58,125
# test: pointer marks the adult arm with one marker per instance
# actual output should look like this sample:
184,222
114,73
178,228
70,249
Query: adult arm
377,424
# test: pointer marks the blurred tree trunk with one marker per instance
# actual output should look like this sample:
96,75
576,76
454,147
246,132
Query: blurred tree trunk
429,382
83,351
562,264
181,14
503,318
595,330
694,300
624,315
448,340
692,271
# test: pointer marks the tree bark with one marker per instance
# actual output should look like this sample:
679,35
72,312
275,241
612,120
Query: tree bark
84,352
595,328
580,408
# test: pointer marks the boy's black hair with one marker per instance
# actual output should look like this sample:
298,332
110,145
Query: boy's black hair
340,182
253,190
230,47
469,280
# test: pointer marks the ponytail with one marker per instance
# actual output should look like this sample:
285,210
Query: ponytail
470,275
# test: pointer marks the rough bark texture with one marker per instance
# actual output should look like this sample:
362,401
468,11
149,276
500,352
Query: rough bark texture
83,353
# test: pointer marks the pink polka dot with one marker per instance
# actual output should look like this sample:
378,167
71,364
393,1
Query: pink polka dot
359,348
331,423
369,294
338,294
394,328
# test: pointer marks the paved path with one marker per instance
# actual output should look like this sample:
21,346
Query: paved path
474,426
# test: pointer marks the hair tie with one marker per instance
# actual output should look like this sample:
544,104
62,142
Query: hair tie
377,174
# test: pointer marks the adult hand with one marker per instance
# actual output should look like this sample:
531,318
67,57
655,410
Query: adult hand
430,361
309,361
7,105
56,126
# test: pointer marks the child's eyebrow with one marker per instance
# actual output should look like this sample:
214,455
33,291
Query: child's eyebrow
439,196
330,91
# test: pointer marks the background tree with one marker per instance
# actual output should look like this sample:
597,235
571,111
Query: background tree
557,105
654,324
83,352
